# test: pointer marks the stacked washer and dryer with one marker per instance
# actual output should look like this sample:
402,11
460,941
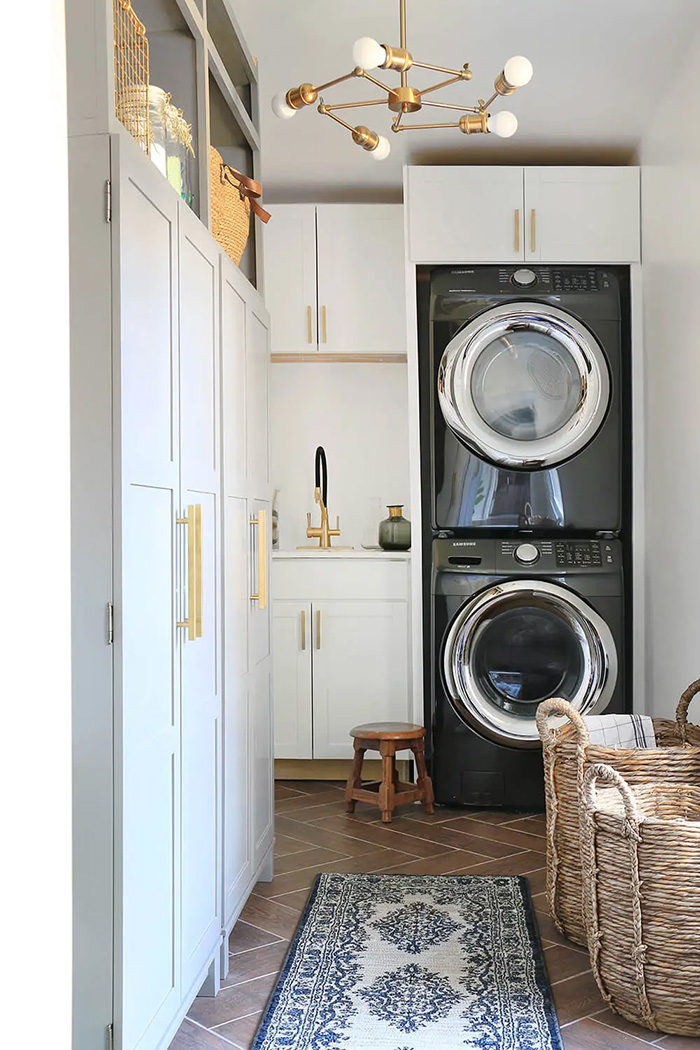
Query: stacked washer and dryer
526,514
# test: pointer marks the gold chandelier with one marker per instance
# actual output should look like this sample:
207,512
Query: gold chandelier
404,99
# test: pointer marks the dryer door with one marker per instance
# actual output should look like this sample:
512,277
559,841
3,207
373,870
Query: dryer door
518,643
524,385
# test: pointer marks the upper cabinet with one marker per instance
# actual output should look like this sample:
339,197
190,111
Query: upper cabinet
334,279
511,214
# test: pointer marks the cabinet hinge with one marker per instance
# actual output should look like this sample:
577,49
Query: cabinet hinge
108,200
110,1036
110,623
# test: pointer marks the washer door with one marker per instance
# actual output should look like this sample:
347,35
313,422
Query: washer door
521,642
524,385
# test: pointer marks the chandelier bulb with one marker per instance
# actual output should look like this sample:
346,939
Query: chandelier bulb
518,71
504,124
368,53
280,106
382,149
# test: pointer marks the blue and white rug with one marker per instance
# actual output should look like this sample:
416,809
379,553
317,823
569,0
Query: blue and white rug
413,962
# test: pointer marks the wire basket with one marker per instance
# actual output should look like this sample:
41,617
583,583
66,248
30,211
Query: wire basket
131,73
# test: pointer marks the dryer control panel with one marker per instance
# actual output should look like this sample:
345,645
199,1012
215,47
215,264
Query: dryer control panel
525,556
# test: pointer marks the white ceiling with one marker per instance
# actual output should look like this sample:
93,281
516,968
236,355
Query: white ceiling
599,67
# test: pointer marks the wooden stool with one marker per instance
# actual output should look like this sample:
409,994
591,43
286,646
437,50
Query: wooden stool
388,738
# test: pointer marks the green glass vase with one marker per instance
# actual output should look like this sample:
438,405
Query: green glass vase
395,531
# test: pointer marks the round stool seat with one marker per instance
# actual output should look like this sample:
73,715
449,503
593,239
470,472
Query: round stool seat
388,731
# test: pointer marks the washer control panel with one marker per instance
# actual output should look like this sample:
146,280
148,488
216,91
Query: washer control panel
527,556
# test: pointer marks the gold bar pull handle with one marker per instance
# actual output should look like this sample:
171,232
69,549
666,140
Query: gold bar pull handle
517,229
198,613
303,630
532,230
318,628
324,324
190,621
309,334
260,596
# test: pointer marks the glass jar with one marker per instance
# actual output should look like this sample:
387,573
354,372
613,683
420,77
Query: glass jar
158,102
395,531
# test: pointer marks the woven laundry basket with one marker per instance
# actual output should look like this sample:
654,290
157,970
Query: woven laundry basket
233,197
567,753
641,890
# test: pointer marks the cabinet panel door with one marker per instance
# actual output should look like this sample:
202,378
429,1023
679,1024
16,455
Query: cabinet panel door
360,660
291,662
582,215
262,771
147,667
233,378
289,244
465,214
201,672
257,375
361,296
237,831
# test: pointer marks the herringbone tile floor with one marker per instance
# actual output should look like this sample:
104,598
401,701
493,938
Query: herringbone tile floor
314,834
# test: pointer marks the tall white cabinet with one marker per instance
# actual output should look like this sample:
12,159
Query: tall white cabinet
187,692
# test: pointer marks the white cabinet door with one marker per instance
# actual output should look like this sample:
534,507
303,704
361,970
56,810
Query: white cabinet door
582,215
360,659
361,292
200,443
262,771
257,373
289,242
233,378
465,214
147,665
291,663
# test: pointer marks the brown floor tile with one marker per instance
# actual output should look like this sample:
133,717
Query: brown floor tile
448,835
313,787
232,1003
382,835
244,937
308,804
191,1036
547,927
270,916
589,1035
486,816
317,855
302,879
502,834
677,1042
440,865
285,846
532,825
317,836
241,1032
562,962
613,1020
255,963
282,791
576,997
296,899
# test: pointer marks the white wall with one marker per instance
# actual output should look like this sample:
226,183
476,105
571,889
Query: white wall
35,643
670,157
358,412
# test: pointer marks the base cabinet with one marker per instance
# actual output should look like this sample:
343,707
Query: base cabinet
340,656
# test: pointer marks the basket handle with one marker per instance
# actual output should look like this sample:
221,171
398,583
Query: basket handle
558,706
246,188
610,776
682,709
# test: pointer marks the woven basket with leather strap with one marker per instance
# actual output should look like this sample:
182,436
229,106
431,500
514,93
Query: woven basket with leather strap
233,196
641,891
567,754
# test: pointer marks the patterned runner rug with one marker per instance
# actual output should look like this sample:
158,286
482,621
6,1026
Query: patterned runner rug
413,962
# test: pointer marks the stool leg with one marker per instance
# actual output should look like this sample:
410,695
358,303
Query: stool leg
387,792
424,782
355,778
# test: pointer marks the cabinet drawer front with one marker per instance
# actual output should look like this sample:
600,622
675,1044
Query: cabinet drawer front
305,579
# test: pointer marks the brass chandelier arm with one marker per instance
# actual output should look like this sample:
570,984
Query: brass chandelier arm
351,105
450,105
460,74
402,38
442,84
339,120
363,73
339,80
421,127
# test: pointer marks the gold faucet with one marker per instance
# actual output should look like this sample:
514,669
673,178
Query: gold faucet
324,533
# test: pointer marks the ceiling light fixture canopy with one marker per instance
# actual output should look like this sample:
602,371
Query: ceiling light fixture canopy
369,54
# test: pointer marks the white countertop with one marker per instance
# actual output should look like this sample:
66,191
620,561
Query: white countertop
333,552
